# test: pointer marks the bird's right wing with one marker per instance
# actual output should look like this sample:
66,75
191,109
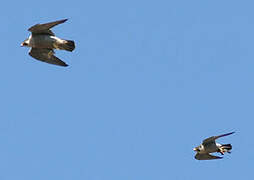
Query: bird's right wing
206,156
46,55
45,28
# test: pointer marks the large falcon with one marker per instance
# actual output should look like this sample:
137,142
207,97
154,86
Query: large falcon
43,42
210,146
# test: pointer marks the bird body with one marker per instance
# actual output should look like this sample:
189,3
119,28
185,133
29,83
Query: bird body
43,42
210,146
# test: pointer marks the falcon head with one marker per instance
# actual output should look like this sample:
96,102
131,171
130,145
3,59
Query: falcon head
25,43
197,149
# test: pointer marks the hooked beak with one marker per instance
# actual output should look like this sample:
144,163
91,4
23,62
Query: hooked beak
195,149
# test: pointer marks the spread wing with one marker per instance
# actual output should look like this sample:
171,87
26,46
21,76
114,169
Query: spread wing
46,55
206,156
45,28
213,138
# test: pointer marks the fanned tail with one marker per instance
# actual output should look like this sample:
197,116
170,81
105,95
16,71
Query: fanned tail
68,45
225,148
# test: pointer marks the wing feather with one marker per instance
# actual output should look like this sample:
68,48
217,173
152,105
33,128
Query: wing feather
46,55
206,156
45,28
213,138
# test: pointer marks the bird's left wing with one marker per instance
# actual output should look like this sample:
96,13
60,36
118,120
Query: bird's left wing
209,140
45,28
213,138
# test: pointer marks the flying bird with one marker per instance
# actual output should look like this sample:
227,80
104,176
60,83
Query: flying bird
43,42
210,146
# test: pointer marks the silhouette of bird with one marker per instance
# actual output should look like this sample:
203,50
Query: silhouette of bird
210,146
43,42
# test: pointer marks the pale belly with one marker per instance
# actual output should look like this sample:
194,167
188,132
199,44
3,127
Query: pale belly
42,41
212,148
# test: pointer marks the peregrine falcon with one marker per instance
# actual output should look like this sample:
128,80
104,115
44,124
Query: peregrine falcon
210,146
43,42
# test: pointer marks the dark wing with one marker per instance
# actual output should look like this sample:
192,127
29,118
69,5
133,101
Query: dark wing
216,137
45,28
213,138
46,55
210,140
206,156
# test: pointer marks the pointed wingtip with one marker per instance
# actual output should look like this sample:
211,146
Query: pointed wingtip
227,134
61,21
231,132
64,20
64,64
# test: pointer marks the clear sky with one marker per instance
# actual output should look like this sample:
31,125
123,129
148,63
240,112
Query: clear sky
147,82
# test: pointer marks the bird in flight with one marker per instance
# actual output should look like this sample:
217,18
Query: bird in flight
210,146
43,42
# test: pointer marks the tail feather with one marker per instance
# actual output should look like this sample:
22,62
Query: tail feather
227,146
68,45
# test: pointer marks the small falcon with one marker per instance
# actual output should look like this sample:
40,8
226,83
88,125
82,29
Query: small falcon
210,146
43,42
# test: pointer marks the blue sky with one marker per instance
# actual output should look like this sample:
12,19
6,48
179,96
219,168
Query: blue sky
147,82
